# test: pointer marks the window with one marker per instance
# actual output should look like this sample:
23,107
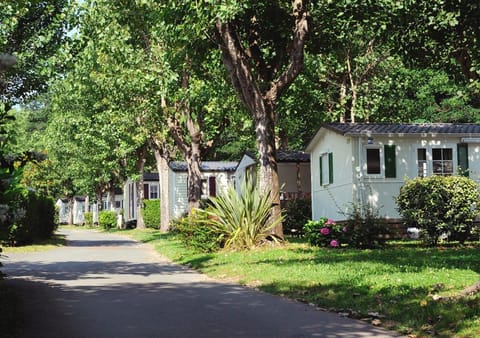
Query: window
373,161
326,169
462,155
153,192
390,161
442,161
422,162
212,186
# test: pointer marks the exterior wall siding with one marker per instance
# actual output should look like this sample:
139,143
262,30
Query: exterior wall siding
180,200
331,200
240,172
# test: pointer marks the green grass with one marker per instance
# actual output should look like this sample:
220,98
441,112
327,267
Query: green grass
56,241
397,282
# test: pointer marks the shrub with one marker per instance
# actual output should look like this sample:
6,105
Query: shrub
196,232
324,232
365,228
107,219
440,205
296,214
33,219
243,219
88,219
151,213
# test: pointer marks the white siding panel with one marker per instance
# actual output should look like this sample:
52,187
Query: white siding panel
180,201
331,200
474,161
245,162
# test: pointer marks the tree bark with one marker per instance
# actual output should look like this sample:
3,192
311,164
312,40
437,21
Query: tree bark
141,154
70,210
111,196
98,197
189,146
87,204
163,177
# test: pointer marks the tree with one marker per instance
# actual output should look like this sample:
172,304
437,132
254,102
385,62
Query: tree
443,35
263,58
33,32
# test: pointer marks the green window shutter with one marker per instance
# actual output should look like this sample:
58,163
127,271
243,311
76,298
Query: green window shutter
321,171
330,168
462,157
390,161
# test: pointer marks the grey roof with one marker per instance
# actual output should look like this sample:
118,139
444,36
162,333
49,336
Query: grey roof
150,176
358,129
285,156
292,156
206,166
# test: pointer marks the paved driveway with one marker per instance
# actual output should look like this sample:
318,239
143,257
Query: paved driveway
104,285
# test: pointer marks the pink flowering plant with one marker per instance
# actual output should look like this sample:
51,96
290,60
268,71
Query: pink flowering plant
325,232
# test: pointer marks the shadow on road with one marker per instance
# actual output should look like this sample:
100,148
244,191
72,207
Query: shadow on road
100,243
159,309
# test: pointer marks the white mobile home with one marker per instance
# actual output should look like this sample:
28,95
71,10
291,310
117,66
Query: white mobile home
368,163
151,190
216,176
75,215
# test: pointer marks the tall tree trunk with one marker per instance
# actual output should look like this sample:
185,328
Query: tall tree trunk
299,179
193,158
190,146
87,204
98,197
111,195
70,211
163,178
141,155
260,95
268,173
353,89
343,99
191,151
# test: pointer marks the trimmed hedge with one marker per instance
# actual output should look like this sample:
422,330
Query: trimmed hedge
107,219
151,213
197,234
440,205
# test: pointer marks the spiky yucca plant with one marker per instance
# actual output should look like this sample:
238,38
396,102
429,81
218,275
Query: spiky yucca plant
243,218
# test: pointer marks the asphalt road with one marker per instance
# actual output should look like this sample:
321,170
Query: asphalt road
104,285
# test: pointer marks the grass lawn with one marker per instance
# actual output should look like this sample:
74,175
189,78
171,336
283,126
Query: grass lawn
56,241
393,286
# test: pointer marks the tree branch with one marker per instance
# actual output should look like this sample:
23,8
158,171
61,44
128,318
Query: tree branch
296,57
235,58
